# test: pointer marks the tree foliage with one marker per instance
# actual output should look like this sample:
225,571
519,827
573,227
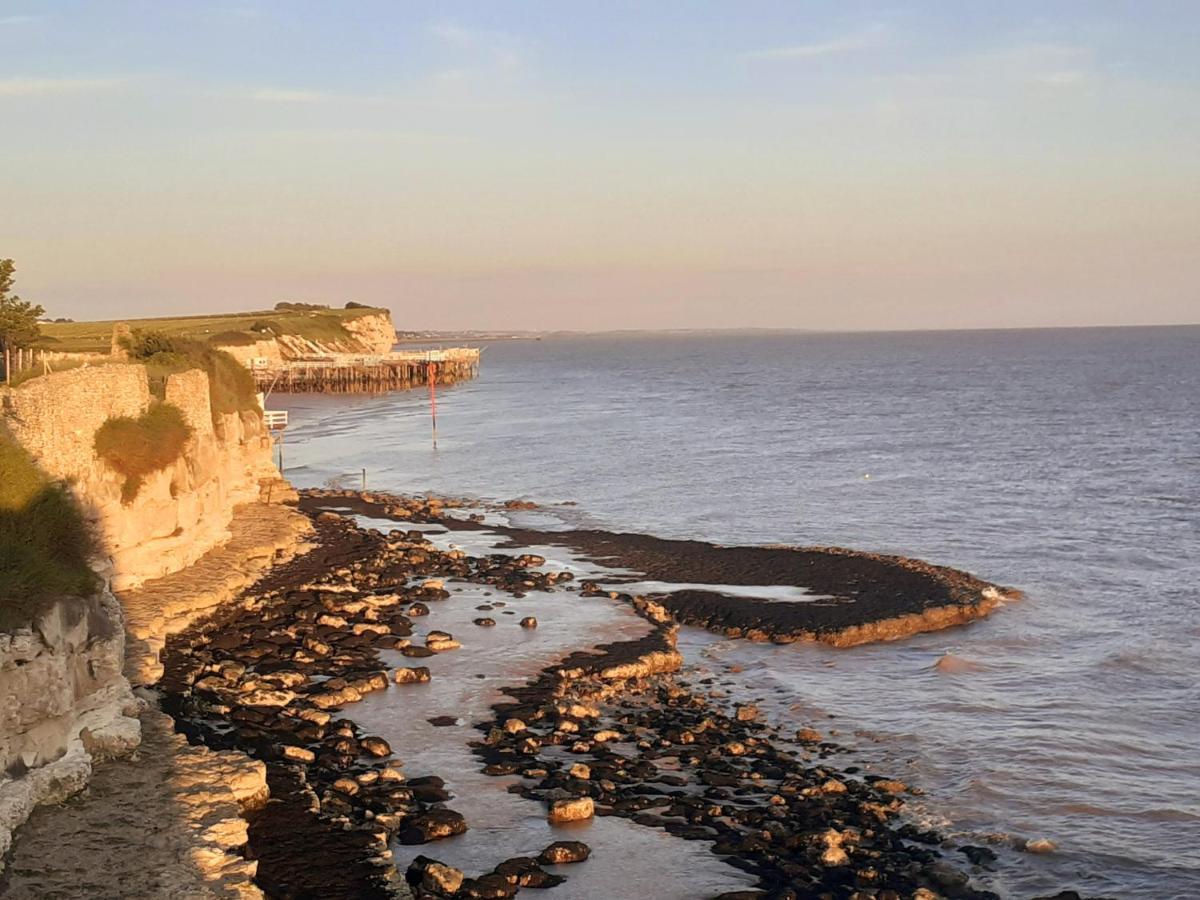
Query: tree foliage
18,318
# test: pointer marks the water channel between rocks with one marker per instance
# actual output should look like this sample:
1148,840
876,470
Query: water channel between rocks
627,859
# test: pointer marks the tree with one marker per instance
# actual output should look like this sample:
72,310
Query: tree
18,318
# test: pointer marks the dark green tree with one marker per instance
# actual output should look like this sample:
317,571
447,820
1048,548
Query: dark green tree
18,318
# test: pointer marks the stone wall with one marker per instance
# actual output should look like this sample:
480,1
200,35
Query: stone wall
64,704
180,512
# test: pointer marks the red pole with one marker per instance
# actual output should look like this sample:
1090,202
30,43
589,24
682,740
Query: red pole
431,377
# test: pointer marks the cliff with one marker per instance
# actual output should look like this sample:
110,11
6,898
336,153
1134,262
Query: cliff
64,700
64,704
180,512
371,334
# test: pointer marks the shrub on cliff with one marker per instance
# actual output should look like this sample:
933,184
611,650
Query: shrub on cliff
231,387
44,542
137,447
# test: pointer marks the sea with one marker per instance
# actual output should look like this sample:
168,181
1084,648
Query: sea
1065,463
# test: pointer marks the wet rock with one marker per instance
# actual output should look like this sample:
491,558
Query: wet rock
574,810
418,609
432,825
413,675
442,721
562,852
485,622
1040,845
980,856
297,754
529,622
440,641
431,875
492,886
747,712
375,746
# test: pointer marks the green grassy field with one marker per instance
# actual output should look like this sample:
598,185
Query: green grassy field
95,337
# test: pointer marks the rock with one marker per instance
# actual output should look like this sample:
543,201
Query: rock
485,622
529,622
266,698
439,641
949,664
418,609
414,675
492,886
375,746
514,726
297,754
431,875
1040,845
746,712
979,856
574,810
946,875
432,825
889,786
580,771
442,721
562,852
809,736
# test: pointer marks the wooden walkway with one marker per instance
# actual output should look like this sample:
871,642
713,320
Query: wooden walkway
350,374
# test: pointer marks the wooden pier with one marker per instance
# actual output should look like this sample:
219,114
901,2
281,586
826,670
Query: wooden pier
350,374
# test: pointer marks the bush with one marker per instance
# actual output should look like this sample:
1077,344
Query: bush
233,339
137,447
355,305
284,306
261,326
44,542
231,387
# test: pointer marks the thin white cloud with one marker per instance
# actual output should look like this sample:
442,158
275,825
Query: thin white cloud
42,87
286,95
865,39
490,51
19,20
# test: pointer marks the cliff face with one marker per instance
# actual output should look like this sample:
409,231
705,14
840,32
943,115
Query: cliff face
63,704
181,511
369,335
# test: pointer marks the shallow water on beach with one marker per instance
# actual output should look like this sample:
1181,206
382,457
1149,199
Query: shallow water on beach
1065,463
465,684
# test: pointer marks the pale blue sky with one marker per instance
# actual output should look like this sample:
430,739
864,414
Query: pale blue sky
831,165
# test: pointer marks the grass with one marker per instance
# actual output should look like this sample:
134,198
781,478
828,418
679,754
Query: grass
137,447
96,337
231,387
44,542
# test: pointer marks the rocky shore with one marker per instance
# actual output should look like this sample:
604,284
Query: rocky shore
612,731
618,730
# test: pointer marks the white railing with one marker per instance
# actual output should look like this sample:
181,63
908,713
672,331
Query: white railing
276,419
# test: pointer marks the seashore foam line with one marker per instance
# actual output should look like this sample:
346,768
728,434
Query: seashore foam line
862,597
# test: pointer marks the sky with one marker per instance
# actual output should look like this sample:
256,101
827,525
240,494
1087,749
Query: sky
569,165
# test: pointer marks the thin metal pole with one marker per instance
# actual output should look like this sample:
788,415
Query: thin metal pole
431,377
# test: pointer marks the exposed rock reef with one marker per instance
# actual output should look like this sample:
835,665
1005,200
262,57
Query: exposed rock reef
858,597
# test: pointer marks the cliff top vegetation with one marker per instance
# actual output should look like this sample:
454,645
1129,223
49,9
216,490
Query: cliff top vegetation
231,328
44,542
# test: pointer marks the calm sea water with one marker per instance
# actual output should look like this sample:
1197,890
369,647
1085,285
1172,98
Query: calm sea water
1066,463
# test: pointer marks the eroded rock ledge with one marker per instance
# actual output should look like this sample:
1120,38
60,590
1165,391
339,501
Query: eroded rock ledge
645,747
859,597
